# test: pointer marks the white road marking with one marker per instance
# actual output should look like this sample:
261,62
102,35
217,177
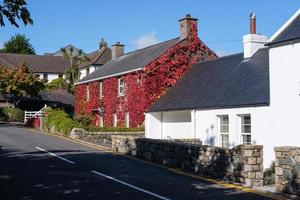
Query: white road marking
57,156
129,185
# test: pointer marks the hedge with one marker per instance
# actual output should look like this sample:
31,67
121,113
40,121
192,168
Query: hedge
11,114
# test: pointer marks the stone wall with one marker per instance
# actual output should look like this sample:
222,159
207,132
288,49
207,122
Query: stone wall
101,138
243,163
287,169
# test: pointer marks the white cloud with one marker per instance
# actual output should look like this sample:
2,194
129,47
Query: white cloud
145,40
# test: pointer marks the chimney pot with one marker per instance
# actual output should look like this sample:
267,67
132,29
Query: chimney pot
252,23
117,50
102,44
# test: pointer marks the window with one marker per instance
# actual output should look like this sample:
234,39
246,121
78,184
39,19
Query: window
87,71
115,120
127,120
87,92
101,90
101,121
121,87
246,129
224,131
45,77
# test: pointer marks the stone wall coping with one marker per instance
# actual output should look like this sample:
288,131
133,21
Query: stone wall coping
285,148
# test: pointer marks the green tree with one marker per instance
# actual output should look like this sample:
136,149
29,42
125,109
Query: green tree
19,82
14,10
18,44
75,59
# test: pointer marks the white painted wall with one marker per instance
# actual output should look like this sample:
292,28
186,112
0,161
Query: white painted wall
51,77
274,125
83,70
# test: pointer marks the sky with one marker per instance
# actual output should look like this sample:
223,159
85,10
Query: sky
139,23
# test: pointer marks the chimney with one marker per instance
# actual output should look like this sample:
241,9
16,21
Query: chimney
102,44
253,42
185,25
117,50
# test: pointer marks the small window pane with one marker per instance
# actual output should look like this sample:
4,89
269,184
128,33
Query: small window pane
225,140
246,129
246,139
224,124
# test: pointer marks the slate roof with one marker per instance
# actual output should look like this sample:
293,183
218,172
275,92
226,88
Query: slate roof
98,57
57,95
291,32
230,81
135,60
37,63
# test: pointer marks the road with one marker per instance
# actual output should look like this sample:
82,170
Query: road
39,166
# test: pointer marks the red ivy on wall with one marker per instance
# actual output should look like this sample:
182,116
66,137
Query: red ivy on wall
145,87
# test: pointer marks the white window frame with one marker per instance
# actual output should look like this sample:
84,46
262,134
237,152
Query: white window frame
121,87
225,133
127,122
100,90
115,120
241,128
87,92
101,124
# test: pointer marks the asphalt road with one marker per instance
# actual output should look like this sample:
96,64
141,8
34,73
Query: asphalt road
39,166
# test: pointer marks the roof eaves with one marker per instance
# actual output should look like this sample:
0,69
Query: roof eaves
105,77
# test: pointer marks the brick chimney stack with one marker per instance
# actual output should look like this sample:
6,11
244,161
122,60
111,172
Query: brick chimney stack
117,50
185,25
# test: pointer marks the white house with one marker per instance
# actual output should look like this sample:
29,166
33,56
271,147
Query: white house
251,97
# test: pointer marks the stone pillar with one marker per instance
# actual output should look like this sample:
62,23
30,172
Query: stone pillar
287,169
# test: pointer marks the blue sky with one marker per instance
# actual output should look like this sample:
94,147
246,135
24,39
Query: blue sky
222,23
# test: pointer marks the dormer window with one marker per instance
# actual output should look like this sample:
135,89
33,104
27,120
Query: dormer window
121,87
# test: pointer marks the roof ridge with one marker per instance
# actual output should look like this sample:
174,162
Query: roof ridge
151,46
219,58
29,55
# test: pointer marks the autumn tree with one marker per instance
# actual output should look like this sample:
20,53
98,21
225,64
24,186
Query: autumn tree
14,10
18,44
19,82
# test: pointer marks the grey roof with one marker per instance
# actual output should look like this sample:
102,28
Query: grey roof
37,63
57,95
230,81
291,32
131,61
99,57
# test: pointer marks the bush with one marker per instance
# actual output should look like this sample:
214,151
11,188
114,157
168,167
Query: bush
84,120
60,120
269,175
11,114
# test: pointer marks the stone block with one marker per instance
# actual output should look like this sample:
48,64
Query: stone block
248,182
248,168
278,171
287,174
297,159
252,160
248,153
259,160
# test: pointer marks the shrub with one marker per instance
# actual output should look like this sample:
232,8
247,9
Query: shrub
11,114
84,120
60,120
269,175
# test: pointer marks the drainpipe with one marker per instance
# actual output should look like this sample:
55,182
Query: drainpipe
161,125
195,123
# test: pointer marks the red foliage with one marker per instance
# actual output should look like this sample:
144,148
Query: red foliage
145,87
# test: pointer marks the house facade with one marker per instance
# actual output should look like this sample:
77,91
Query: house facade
247,98
120,91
